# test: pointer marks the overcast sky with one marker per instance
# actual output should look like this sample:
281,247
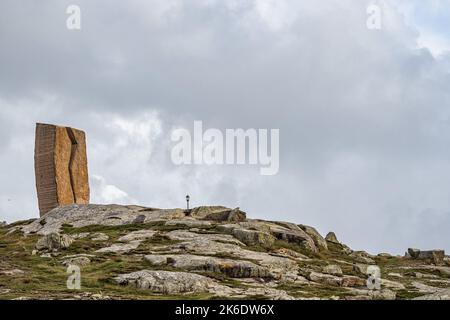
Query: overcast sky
364,115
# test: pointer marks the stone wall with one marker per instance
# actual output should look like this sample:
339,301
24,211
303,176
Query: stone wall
61,167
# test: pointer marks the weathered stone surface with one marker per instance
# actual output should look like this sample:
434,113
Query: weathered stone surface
229,267
218,250
218,213
440,295
54,241
138,235
319,241
360,269
366,294
77,260
352,281
384,255
392,284
192,223
183,235
277,265
108,215
3,224
12,272
413,253
120,247
363,257
435,256
293,235
254,237
332,269
98,236
167,282
331,236
61,167
288,253
325,279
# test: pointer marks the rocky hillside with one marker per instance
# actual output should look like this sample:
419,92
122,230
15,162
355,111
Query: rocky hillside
133,252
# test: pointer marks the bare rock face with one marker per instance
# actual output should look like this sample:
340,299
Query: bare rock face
436,256
218,213
319,241
167,282
230,267
54,241
61,167
332,269
331,236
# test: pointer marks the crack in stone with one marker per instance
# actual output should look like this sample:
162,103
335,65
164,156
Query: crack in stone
73,152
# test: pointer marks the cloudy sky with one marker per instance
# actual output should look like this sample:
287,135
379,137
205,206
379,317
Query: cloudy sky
364,115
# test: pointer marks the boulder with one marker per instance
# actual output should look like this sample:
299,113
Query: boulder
435,256
3,224
352,281
218,213
360,269
384,255
324,279
362,257
331,236
254,237
77,260
413,253
447,260
332,269
392,284
167,282
319,241
231,268
54,241
297,236
61,167
384,294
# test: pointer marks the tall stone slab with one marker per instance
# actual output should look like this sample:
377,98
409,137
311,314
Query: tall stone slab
61,167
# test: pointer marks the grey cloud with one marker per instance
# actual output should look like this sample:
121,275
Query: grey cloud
363,115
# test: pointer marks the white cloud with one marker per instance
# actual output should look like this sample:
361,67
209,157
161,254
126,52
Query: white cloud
107,193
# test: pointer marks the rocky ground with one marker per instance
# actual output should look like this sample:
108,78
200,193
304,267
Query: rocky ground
133,252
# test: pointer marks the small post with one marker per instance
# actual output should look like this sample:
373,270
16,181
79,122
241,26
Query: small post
187,201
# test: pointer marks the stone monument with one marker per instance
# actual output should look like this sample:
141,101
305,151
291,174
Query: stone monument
61,168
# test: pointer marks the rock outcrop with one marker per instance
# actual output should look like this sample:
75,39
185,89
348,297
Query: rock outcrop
207,253
167,282
436,256
331,236
60,167
54,241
